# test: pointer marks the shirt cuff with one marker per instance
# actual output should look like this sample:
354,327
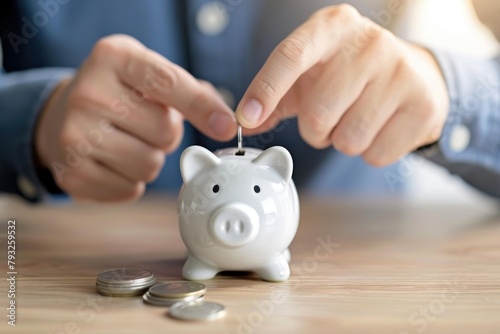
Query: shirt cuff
30,95
470,134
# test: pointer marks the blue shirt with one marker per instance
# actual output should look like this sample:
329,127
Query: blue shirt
47,40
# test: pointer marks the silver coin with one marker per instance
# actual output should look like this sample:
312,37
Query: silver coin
173,300
197,310
134,293
125,285
168,301
124,282
125,276
240,140
178,289
123,290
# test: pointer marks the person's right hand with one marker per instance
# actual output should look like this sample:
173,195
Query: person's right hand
105,133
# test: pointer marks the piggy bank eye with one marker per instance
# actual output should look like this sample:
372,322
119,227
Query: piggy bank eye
256,189
216,189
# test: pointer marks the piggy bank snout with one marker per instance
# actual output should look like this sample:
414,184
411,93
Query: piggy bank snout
234,225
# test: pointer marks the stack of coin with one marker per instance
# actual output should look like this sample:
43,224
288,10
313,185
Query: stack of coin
167,294
125,282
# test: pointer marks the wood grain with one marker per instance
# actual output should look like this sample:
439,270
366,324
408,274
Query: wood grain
391,268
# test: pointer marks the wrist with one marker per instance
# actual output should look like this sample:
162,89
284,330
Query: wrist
437,89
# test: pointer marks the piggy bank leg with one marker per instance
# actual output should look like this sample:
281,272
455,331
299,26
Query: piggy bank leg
195,270
287,255
276,271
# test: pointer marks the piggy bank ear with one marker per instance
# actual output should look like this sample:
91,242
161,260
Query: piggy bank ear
195,159
277,158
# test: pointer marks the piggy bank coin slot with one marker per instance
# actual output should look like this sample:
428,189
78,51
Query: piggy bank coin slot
240,150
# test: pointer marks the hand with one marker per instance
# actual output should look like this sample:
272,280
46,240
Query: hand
352,85
105,133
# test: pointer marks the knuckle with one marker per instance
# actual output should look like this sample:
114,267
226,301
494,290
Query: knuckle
347,10
115,42
316,120
153,162
375,160
71,184
316,144
352,139
381,45
132,67
295,51
434,134
369,28
405,70
136,192
314,124
267,88
174,140
428,106
342,144
164,77
314,130
163,126
79,178
109,47
82,92
169,132
344,12
66,137
431,122
130,193
377,34
200,102
425,108
359,127
105,47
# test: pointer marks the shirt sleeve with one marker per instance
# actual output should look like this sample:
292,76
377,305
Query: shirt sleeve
22,95
470,143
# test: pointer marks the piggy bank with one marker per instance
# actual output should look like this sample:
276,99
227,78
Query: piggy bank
237,211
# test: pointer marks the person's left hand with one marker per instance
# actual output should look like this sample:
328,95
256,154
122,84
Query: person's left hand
353,85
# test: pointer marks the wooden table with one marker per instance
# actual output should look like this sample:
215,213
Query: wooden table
357,267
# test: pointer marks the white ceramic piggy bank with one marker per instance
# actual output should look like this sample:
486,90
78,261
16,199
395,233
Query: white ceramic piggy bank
237,212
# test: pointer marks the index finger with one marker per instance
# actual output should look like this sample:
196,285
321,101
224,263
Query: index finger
164,82
316,39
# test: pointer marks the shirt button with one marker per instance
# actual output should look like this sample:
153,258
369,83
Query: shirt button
227,96
460,138
26,187
212,18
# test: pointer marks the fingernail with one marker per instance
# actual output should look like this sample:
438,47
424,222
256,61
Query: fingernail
252,110
220,123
